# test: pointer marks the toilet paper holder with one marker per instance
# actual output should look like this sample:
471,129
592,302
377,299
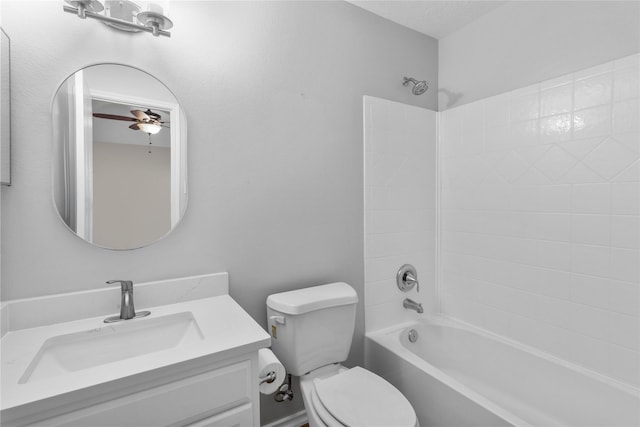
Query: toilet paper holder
268,378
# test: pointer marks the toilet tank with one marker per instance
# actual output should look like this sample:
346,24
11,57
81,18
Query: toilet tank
312,327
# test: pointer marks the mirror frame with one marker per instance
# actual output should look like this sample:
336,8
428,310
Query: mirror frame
179,139
5,109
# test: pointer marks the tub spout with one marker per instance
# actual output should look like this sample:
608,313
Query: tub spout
410,304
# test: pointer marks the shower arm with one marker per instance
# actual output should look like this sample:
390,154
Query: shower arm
406,80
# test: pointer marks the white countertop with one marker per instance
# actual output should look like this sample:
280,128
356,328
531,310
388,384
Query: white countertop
227,331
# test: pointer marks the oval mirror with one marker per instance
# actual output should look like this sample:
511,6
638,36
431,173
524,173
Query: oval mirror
119,167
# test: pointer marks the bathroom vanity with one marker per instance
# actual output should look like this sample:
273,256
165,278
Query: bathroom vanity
193,361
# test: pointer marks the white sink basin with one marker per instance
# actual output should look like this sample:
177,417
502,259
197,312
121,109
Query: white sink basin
57,349
111,343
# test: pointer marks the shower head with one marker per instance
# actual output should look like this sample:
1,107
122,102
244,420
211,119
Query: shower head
419,87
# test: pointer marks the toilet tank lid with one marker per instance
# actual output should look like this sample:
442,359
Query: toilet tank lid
314,298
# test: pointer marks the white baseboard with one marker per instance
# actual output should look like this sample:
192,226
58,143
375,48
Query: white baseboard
295,420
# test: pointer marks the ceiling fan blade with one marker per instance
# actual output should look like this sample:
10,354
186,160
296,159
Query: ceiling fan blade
114,117
141,115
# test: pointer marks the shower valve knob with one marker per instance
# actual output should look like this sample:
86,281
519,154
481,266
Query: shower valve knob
411,280
407,278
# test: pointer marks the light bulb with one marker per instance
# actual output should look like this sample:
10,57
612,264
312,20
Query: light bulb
150,128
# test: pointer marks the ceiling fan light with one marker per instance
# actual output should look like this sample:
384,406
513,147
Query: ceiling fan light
150,128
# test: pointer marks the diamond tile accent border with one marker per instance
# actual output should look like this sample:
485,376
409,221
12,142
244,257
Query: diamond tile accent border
610,158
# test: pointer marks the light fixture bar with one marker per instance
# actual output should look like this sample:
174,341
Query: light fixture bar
82,13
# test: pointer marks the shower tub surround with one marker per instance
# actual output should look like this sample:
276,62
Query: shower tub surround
400,207
539,225
540,216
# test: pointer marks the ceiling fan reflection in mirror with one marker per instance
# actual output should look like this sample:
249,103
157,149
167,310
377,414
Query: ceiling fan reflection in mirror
147,121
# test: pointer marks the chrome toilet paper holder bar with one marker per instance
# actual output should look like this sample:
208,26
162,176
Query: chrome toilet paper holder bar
268,378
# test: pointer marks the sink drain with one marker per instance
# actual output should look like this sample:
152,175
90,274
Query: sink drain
413,335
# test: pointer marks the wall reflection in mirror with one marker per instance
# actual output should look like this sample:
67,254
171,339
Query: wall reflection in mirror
119,169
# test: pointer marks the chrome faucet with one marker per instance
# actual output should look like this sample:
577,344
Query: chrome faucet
127,309
410,304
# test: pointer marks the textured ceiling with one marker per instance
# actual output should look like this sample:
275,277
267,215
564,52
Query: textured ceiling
437,19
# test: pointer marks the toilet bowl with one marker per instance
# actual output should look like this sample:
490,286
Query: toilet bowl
311,333
335,396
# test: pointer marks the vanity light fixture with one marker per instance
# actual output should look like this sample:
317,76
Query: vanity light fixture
121,14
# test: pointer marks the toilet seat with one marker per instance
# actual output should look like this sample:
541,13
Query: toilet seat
357,397
321,412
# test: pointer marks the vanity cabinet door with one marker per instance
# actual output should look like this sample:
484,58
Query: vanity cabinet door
175,403
241,416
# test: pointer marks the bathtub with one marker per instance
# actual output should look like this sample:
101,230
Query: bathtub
457,375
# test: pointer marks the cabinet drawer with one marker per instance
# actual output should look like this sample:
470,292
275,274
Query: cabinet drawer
191,398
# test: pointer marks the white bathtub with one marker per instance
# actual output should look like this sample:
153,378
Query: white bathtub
456,375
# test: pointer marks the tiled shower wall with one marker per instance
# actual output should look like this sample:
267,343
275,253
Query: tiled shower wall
540,216
400,206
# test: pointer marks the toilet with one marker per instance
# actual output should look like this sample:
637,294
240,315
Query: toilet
311,332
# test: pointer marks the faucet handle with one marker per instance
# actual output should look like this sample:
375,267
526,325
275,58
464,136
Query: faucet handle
407,278
412,280
127,285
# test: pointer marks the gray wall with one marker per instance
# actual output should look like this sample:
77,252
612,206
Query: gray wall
525,42
273,95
